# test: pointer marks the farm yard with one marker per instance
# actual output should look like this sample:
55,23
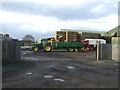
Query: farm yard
59,44
63,61
61,69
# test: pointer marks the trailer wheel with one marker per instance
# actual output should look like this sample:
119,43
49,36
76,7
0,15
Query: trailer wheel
47,48
70,50
76,49
90,48
35,49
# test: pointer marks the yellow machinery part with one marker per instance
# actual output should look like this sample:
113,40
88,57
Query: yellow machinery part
54,40
47,48
36,49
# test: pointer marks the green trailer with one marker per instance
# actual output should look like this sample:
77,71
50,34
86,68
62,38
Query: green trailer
49,46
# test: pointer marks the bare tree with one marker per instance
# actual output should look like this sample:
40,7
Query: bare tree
28,38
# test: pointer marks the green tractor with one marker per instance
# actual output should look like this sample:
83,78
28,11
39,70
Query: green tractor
43,45
49,44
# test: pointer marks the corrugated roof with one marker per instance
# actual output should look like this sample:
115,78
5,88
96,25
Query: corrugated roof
114,31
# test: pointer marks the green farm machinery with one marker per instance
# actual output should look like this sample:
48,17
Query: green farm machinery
53,44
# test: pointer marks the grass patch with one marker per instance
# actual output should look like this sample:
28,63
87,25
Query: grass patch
16,66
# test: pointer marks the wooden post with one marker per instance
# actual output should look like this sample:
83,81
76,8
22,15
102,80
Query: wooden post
67,32
97,54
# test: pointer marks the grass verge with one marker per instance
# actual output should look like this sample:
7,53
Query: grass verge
17,66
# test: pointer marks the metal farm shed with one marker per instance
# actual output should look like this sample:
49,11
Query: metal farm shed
115,32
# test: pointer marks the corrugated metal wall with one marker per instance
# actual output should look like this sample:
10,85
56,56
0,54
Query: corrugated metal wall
108,52
10,50
104,52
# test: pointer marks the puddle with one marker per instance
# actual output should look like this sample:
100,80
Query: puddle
116,70
28,51
50,66
70,67
30,58
48,76
58,79
28,74
24,53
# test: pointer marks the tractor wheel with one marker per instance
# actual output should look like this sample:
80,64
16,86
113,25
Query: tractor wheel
70,50
47,48
35,49
76,50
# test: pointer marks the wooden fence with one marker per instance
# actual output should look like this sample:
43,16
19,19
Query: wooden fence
104,52
10,50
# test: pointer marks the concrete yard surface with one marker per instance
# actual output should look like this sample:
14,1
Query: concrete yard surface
61,69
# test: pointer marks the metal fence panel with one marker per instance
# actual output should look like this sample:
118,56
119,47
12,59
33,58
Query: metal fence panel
10,51
104,52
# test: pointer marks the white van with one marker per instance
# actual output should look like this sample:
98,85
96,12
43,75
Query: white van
94,42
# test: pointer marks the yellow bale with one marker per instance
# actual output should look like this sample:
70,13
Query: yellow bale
1,34
6,35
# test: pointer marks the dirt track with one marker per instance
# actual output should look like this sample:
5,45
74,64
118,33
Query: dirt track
62,69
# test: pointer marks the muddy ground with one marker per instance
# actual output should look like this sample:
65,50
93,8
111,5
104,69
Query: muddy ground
61,69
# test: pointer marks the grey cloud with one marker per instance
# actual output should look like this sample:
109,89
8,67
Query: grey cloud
15,31
61,12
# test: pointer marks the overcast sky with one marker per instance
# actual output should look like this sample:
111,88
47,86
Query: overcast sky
41,18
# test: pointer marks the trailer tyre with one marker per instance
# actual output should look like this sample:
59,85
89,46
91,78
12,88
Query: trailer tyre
35,49
47,48
91,48
70,50
76,50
